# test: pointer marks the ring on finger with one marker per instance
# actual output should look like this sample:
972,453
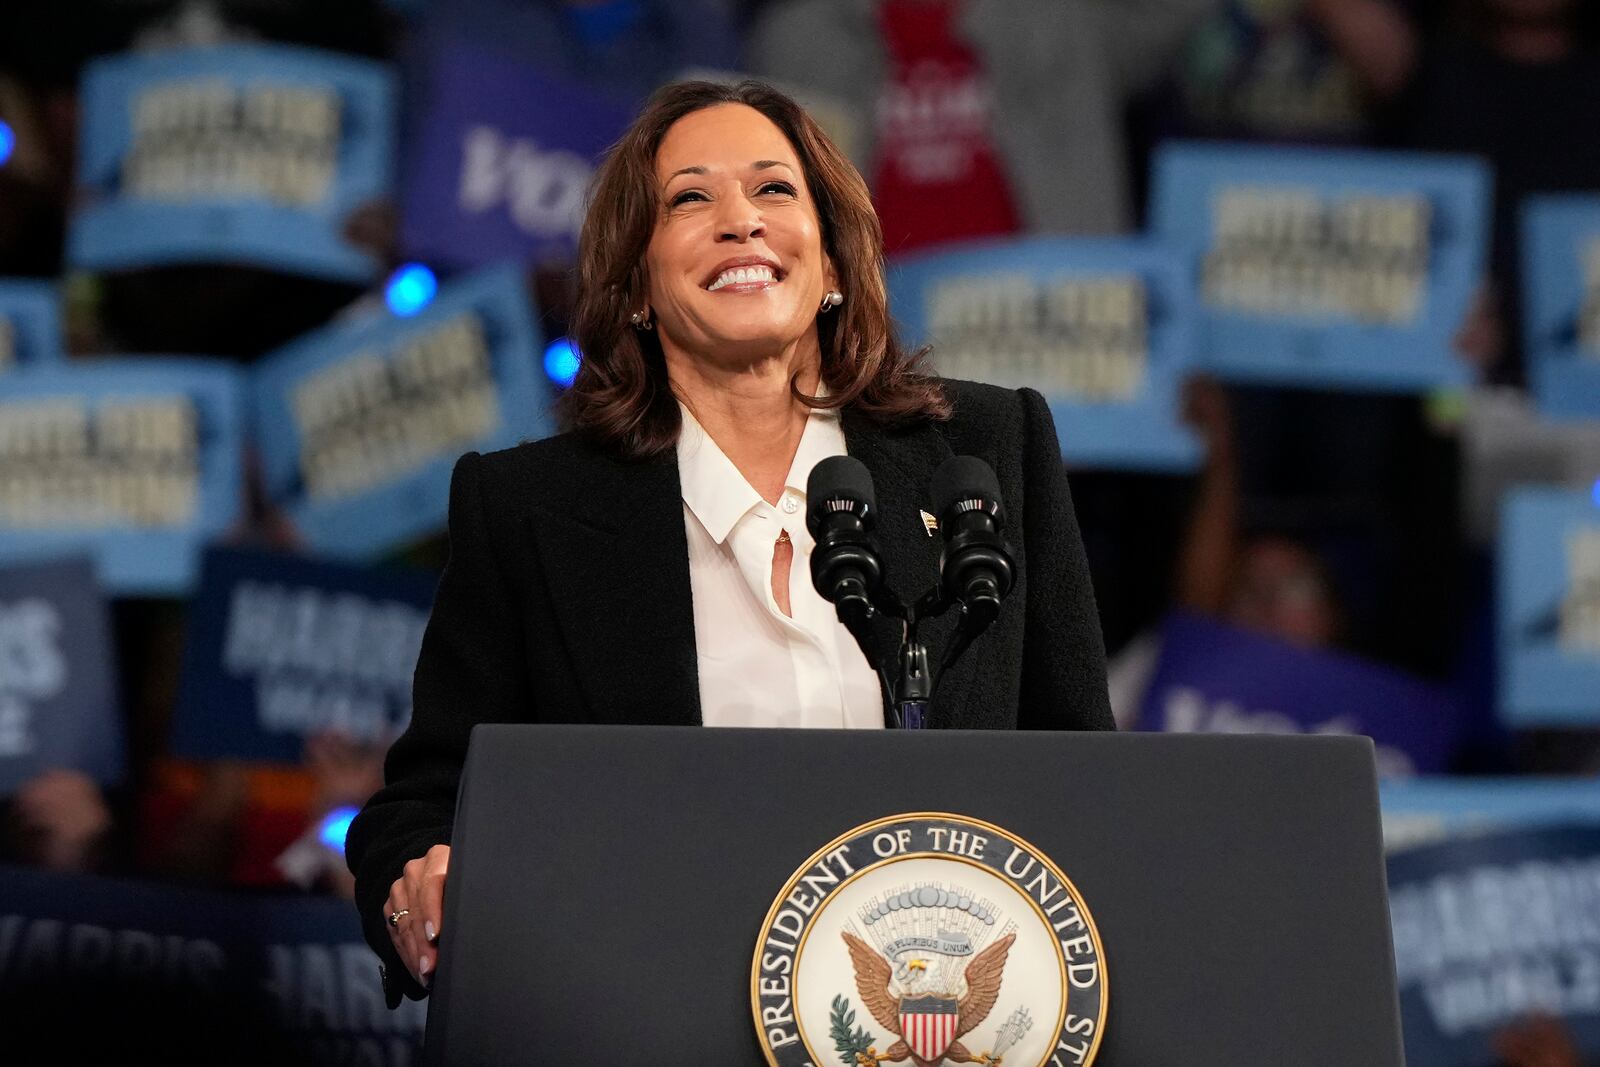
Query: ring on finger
394,916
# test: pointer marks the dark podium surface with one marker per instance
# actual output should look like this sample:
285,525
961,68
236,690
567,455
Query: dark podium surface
607,884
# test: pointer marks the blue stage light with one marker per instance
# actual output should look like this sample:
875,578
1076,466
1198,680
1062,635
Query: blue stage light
1595,493
335,825
411,288
8,143
561,361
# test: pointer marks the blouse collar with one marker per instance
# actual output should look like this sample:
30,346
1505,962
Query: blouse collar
715,491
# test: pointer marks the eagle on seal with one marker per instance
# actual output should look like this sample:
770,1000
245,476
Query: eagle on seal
873,974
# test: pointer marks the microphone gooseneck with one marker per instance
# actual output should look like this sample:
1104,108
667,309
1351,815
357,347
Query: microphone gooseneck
840,513
975,569
846,569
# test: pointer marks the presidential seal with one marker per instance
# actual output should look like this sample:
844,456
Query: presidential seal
929,939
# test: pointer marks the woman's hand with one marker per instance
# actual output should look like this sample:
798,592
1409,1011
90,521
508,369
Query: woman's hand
419,893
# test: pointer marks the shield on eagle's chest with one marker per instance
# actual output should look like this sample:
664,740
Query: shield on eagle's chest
928,1025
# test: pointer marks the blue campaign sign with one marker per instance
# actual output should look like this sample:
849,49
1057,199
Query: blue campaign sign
221,978
30,324
1212,678
1549,608
134,460
1330,268
360,424
1561,303
243,154
1491,931
1419,811
503,157
1102,328
281,648
58,686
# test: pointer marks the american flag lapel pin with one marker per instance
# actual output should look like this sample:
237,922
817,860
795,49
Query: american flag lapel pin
930,523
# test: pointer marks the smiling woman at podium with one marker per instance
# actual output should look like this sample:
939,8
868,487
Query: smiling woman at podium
651,564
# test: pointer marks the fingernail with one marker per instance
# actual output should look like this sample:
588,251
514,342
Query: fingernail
427,928
424,965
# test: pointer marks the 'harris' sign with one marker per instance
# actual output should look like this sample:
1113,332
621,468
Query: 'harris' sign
242,154
1327,268
30,324
1561,303
58,688
1101,328
1492,931
1549,607
135,461
223,978
282,648
360,423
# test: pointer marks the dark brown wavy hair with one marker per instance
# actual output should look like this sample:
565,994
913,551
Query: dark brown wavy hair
621,395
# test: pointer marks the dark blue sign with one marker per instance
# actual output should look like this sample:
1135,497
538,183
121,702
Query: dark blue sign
30,324
1561,303
1327,268
58,687
503,158
360,424
1102,328
1212,678
322,986
215,978
1490,931
1549,607
281,648
244,154
135,461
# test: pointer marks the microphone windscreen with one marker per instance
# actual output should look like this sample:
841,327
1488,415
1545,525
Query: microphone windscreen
960,479
835,479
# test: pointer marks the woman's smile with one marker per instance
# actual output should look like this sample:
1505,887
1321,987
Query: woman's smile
745,274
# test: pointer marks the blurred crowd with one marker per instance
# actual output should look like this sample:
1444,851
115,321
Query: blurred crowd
1325,519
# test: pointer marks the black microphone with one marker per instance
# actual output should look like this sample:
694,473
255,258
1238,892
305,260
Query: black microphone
841,510
975,569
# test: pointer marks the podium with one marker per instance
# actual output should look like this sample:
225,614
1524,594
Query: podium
610,886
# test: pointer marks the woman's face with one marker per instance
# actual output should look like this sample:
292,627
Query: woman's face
736,264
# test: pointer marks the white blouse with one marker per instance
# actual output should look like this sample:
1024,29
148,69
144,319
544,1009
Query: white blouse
758,666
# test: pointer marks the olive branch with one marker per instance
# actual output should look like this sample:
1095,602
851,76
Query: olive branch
847,1044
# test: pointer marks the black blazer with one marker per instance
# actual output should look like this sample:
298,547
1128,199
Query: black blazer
566,600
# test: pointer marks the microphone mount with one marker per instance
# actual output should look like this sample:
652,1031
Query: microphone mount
976,572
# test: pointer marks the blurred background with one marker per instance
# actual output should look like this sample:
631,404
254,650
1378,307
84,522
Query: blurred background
1312,287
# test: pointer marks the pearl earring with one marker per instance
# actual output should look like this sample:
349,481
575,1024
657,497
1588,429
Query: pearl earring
830,301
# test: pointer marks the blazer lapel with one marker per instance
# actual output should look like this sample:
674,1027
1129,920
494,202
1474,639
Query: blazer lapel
902,463
617,560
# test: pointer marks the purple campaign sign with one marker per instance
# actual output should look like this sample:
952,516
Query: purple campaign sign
502,155
1212,678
